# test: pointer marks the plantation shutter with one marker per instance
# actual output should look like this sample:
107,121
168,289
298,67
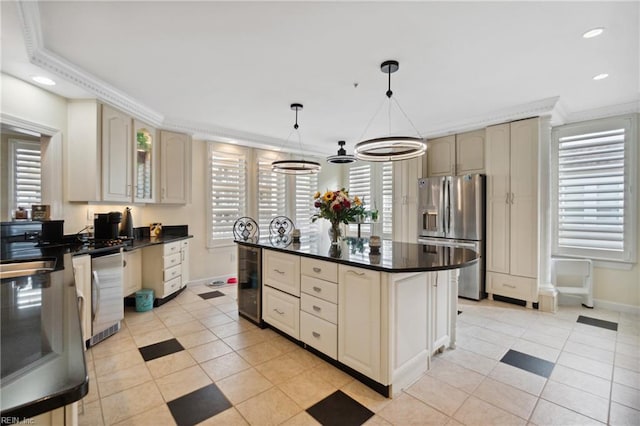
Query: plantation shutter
360,184
27,174
591,190
228,194
387,200
272,195
305,187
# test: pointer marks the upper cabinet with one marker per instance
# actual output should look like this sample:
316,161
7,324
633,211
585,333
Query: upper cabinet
175,168
145,152
459,154
114,157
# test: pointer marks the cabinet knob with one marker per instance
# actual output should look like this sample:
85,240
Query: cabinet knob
355,272
509,285
315,334
317,270
279,271
317,289
317,308
278,311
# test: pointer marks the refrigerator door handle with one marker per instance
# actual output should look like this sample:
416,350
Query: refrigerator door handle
448,206
443,209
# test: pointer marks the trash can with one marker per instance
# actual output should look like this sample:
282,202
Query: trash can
144,300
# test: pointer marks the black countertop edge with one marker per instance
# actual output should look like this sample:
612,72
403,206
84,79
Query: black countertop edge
373,267
146,242
51,402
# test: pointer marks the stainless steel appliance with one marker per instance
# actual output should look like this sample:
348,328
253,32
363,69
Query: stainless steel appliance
107,307
249,285
451,211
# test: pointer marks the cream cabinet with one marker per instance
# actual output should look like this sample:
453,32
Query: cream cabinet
319,305
281,271
120,157
185,262
132,272
281,310
116,155
512,206
82,277
281,291
442,283
459,154
359,320
175,168
162,268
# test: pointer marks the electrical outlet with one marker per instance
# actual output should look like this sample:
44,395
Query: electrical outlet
89,215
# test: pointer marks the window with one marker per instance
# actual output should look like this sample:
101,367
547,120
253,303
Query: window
228,194
305,187
25,173
373,182
272,195
594,209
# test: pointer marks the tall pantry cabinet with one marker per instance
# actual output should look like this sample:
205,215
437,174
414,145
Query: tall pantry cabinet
512,210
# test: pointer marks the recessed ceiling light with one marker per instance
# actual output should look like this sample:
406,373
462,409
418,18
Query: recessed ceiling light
595,32
601,76
43,80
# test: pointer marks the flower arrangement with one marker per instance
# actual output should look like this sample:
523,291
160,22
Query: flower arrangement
337,207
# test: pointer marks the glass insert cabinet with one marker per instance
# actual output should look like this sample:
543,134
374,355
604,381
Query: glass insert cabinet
144,162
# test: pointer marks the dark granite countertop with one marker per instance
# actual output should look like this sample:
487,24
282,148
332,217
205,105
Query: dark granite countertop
43,366
393,256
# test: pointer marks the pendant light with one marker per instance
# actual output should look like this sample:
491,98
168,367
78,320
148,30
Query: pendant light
391,148
296,167
341,157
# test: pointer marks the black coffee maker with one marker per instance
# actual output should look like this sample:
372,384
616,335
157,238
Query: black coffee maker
105,225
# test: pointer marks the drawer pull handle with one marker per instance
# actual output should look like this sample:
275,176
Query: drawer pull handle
278,311
356,273
315,334
316,270
509,285
279,271
317,308
317,289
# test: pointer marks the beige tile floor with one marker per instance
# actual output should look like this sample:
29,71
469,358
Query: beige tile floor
269,380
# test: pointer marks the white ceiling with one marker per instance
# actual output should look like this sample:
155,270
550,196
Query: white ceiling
229,70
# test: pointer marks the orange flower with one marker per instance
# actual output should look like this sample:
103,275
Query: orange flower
316,195
328,196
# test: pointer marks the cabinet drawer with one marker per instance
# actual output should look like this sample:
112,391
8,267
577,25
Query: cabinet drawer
319,334
282,271
320,308
512,286
282,311
319,288
319,269
171,260
171,248
171,286
171,273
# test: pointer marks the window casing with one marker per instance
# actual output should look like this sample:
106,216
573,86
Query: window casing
227,194
593,182
25,173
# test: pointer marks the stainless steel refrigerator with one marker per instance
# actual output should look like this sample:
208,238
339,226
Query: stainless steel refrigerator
451,211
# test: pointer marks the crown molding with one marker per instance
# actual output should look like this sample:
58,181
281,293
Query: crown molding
220,134
603,112
21,123
38,55
532,109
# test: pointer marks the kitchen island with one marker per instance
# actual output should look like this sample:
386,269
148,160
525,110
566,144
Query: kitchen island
379,315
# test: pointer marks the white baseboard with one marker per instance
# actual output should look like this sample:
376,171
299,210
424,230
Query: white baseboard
570,300
618,307
209,280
